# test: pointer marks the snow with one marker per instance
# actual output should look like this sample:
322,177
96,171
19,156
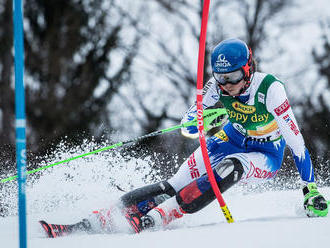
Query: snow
267,219
66,193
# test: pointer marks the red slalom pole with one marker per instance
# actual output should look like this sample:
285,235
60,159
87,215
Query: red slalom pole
200,121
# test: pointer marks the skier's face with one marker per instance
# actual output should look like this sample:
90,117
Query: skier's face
234,89
232,82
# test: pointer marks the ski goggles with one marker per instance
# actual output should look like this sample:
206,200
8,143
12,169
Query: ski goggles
229,78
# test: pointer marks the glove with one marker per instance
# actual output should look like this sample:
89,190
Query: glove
314,204
209,123
217,123
190,131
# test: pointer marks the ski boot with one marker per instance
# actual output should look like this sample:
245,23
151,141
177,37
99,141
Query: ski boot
159,216
139,223
56,230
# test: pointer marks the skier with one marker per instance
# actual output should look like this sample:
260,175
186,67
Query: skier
249,148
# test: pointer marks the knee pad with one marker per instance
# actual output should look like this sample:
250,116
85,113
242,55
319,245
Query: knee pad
199,193
147,192
230,171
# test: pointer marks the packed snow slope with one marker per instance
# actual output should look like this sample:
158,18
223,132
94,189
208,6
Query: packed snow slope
67,193
268,219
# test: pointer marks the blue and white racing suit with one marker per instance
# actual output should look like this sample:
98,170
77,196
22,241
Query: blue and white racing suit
260,151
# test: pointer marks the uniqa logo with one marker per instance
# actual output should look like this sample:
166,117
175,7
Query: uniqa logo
246,109
222,61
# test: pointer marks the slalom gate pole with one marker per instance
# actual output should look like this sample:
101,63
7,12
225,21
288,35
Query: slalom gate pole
209,116
200,120
20,119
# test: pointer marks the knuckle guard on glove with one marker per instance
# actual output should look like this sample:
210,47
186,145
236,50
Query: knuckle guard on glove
315,204
190,131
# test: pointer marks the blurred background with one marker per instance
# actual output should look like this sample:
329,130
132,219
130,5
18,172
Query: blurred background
111,70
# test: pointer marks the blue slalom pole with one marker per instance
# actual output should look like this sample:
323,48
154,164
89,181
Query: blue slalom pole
20,119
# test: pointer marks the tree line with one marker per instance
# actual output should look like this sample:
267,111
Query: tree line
80,55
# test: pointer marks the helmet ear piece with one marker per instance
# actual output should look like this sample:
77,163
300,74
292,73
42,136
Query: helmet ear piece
248,68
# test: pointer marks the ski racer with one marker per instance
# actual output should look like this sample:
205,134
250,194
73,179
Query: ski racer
249,148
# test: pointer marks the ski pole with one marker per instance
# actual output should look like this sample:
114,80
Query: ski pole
209,114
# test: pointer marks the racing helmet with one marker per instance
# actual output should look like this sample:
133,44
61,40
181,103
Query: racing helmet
232,55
